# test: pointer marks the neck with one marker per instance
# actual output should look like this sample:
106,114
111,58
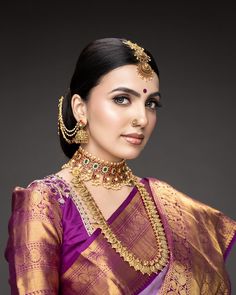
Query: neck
99,154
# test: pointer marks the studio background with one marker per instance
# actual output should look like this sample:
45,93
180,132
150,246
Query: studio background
193,146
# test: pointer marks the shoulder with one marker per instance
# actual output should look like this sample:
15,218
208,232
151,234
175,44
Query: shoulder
48,191
190,205
163,188
222,227
36,215
166,189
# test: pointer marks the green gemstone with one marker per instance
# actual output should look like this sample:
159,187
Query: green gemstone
86,161
95,166
105,169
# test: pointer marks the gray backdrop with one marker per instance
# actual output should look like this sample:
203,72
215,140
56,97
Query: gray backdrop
193,147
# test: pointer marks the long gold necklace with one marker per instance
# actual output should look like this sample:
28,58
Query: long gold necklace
144,266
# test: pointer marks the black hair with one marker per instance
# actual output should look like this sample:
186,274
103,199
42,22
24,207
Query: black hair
97,59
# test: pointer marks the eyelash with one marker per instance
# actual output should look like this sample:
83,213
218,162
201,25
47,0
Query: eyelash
157,103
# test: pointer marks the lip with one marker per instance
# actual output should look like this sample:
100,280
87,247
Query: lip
133,138
134,135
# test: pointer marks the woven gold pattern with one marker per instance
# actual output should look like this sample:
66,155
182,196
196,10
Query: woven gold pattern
145,267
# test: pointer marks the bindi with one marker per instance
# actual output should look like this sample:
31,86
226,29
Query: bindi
144,90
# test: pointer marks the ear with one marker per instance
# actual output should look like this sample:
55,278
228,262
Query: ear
79,108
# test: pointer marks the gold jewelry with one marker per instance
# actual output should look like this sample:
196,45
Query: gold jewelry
134,123
111,175
75,135
81,135
82,166
144,69
144,266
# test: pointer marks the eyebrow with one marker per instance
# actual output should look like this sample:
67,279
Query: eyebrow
135,93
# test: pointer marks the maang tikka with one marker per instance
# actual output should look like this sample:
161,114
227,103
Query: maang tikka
76,135
143,68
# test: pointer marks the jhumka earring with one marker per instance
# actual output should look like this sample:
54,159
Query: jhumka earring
144,69
75,135
81,135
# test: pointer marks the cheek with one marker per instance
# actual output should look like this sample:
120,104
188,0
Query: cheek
152,122
105,116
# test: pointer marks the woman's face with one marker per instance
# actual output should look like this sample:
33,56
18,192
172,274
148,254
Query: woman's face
121,97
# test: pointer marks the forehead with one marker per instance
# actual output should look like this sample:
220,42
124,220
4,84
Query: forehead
127,76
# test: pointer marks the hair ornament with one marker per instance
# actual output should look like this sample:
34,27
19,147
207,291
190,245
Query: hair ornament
143,68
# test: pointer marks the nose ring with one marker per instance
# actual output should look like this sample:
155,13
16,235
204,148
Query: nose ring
134,123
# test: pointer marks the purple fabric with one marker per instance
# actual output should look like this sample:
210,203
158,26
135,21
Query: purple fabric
123,205
75,236
154,285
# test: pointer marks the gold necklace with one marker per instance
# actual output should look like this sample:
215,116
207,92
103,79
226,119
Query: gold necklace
144,266
111,175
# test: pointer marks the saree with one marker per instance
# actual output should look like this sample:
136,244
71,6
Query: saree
54,249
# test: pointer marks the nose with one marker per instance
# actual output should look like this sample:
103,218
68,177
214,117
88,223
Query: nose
141,116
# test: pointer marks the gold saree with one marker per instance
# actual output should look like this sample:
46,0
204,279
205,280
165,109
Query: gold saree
198,238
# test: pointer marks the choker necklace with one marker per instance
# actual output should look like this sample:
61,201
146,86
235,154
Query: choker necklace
111,175
154,265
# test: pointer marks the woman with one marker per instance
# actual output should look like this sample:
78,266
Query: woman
96,228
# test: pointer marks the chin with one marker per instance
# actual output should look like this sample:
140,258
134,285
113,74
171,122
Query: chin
130,155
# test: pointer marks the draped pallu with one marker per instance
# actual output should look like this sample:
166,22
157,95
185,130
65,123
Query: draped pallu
54,249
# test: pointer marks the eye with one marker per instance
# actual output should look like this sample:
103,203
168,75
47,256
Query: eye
121,99
153,104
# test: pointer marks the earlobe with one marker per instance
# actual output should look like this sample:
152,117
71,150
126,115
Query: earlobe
78,107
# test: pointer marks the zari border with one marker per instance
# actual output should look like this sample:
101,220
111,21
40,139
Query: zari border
178,277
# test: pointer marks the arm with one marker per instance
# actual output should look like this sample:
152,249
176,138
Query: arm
35,235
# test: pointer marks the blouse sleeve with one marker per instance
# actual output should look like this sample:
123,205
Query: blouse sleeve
35,236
